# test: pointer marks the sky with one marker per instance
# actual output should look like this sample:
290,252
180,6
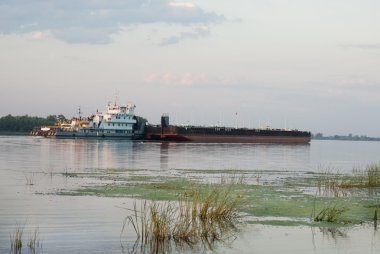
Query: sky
304,64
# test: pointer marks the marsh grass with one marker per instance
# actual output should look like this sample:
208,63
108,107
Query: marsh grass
66,174
330,214
373,176
202,216
34,243
292,197
338,185
30,179
367,178
328,181
375,219
234,179
16,240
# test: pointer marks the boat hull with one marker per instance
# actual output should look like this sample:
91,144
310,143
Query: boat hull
226,135
229,139
93,135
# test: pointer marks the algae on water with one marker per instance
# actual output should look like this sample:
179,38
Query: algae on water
287,200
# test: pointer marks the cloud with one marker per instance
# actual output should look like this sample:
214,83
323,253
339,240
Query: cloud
182,5
95,21
194,33
38,36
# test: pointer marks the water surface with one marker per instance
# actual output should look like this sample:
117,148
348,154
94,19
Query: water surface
69,224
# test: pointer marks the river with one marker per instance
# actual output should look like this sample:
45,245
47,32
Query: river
31,172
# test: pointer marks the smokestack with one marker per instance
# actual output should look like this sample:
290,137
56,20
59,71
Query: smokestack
164,122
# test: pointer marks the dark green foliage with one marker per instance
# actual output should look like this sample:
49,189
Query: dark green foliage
26,123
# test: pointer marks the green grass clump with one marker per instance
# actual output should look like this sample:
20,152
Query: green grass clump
367,178
373,175
34,245
330,214
16,240
34,242
204,216
328,184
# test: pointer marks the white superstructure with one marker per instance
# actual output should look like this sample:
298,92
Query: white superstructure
116,121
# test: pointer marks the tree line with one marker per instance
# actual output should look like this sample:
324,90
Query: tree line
26,123
350,136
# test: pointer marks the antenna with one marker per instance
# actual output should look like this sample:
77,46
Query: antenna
79,113
236,115
116,96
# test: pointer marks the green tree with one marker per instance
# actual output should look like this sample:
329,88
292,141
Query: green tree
25,123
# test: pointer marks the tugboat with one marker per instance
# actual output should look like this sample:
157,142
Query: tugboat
116,122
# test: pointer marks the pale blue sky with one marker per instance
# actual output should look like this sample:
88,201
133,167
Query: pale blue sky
311,65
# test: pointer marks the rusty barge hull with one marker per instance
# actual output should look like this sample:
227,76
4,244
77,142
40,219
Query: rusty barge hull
228,139
225,135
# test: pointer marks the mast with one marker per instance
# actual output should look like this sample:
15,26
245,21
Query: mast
116,97
79,113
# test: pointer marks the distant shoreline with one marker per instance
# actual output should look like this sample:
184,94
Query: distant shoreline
344,138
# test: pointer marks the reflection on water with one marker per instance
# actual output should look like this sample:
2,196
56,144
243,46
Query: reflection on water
93,224
334,234
164,155
265,239
33,153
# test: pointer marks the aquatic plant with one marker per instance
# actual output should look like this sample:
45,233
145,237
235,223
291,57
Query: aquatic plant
292,197
29,179
328,181
330,214
16,240
67,173
373,175
233,179
206,216
375,219
367,178
34,244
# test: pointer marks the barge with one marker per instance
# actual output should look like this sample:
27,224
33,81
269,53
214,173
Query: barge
199,134
120,122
